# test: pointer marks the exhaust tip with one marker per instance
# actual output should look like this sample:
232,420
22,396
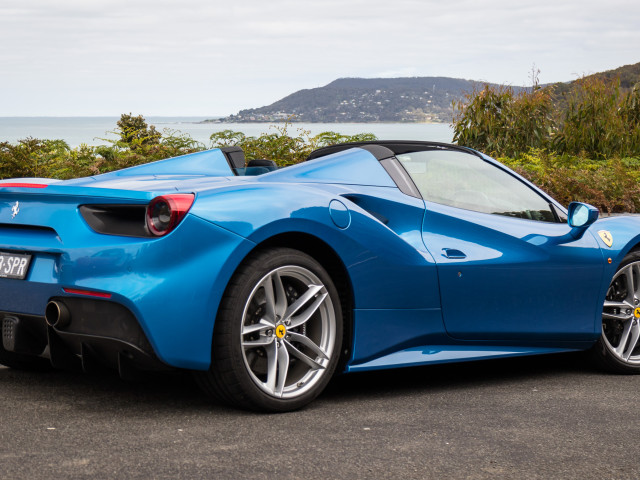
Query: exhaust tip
57,314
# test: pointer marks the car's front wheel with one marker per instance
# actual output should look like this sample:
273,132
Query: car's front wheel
618,348
278,333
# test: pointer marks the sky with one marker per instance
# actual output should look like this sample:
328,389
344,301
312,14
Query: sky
213,58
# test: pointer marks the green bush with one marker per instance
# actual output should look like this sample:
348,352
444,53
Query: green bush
582,145
31,157
281,146
593,119
498,121
598,121
135,133
612,185
139,143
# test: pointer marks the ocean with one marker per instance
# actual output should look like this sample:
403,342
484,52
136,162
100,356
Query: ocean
93,130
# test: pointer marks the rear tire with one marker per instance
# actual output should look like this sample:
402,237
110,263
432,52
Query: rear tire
278,333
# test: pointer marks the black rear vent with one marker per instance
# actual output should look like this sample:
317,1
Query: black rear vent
125,220
12,226
34,231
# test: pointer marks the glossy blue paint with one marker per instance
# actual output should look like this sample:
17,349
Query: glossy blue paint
517,280
148,278
625,231
208,162
378,333
392,253
581,215
339,213
351,167
429,283
434,354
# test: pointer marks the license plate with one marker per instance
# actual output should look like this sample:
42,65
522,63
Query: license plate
14,265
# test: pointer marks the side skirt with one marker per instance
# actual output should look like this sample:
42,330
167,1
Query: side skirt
434,354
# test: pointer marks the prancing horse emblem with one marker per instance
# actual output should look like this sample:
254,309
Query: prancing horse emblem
606,237
15,209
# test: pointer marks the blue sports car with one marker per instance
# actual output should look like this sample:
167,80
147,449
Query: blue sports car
265,282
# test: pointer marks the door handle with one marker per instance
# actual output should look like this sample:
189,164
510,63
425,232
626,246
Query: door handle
453,253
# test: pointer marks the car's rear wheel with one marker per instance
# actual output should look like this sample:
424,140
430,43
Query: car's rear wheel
618,348
278,333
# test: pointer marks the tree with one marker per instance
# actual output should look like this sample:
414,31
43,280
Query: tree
134,131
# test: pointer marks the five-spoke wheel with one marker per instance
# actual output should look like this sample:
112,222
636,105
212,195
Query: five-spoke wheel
278,333
619,345
288,331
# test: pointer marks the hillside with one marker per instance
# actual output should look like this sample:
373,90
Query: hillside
629,75
416,99
410,99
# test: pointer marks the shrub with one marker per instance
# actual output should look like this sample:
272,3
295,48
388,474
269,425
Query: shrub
499,121
593,119
612,185
280,145
31,157
592,123
135,133
140,143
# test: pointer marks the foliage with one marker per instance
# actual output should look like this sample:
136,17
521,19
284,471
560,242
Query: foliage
612,185
140,143
598,121
281,146
499,121
31,157
595,119
135,133
582,145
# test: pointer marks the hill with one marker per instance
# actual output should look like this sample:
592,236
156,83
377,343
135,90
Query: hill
412,99
409,99
629,76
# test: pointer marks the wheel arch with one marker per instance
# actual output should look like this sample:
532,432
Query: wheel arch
324,254
633,248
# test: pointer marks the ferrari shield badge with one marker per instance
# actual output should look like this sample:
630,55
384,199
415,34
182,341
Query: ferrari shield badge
606,237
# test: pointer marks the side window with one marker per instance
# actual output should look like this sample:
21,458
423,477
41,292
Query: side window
466,181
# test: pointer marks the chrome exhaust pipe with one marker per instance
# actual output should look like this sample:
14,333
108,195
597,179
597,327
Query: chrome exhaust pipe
57,314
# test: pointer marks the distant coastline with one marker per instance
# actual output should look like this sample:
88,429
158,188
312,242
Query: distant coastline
93,130
366,100
293,121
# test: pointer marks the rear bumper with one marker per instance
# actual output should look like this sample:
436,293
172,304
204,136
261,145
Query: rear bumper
169,287
99,334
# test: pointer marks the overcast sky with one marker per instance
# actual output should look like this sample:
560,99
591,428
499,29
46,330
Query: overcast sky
207,57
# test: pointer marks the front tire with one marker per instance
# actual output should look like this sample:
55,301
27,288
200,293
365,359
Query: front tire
618,348
278,334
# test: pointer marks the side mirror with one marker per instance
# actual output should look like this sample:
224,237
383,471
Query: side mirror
581,215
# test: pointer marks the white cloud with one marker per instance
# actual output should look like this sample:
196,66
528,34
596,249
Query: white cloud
74,57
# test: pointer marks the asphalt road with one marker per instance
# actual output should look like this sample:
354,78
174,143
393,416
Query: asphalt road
543,417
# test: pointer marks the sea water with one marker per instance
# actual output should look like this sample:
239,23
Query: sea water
98,130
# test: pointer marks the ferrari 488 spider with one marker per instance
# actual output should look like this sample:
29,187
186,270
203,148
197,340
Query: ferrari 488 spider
265,282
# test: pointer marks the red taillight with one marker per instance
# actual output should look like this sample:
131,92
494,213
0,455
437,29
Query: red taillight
23,185
165,213
88,293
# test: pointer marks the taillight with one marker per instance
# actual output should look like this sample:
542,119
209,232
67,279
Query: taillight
165,213
22,185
